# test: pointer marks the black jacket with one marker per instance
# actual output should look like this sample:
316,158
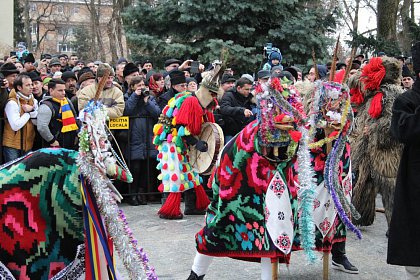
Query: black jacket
232,107
164,98
404,241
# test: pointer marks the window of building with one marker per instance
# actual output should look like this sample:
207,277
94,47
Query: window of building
33,7
64,47
75,10
34,28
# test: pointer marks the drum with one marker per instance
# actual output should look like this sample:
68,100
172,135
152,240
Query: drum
203,163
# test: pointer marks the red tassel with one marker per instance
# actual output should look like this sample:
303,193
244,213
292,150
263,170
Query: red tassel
295,135
339,76
279,118
210,117
356,96
202,199
333,134
375,109
191,115
172,206
373,73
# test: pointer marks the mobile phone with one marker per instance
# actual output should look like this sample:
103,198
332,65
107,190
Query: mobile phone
12,54
194,67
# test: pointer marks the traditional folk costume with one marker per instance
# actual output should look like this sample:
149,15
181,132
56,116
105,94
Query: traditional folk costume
331,118
178,125
45,209
376,153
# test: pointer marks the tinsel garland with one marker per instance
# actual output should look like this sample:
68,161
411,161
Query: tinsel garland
135,260
307,193
343,122
332,167
329,173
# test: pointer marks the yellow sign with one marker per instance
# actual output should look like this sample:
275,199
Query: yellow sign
119,123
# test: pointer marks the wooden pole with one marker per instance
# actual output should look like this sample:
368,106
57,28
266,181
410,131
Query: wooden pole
275,270
325,267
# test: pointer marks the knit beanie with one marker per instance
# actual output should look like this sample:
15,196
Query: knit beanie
101,70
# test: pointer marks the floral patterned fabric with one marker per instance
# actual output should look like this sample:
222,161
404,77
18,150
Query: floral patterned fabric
236,220
40,213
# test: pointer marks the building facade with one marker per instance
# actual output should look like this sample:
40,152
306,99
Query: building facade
63,26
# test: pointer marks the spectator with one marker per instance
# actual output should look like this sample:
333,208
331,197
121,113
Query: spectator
276,70
64,59
171,64
156,84
57,117
10,73
37,90
73,60
263,76
28,63
19,66
119,75
86,79
111,97
143,107
191,84
70,79
21,109
178,84
407,79
236,108
147,65
130,71
55,66
228,81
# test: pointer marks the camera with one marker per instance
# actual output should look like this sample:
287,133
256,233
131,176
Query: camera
145,92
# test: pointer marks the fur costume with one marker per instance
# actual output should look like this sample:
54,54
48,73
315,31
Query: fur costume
376,154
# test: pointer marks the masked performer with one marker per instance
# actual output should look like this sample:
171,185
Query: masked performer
178,126
376,153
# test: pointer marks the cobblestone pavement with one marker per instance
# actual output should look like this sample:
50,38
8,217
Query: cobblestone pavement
171,249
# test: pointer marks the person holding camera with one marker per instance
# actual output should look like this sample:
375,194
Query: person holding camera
144,112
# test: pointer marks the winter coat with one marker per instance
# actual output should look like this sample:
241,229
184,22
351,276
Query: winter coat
403,241
141,127
112,98
164,98
232,107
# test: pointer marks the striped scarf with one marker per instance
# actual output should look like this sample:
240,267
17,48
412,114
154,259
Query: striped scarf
66,115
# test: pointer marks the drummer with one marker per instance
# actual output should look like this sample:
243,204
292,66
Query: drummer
178,126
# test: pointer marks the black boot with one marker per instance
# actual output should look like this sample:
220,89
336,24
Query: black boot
339,259
194,276
132,200
190,199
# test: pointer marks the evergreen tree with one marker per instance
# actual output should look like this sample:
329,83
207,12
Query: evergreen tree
200,29
18,24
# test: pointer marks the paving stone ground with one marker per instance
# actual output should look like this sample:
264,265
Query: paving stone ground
171,249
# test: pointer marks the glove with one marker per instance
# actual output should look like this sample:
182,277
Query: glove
201,146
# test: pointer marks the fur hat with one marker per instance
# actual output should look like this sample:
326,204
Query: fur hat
86,76
177,77
415,52
102,68
28,58
130,68
9,68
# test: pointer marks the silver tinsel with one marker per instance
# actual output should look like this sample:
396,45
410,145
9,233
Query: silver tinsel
134,259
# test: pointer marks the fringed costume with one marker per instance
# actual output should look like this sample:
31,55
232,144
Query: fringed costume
177,129
376,154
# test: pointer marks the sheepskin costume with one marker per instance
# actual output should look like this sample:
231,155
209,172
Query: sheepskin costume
376,154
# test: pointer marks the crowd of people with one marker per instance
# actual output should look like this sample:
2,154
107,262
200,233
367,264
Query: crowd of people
41,99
